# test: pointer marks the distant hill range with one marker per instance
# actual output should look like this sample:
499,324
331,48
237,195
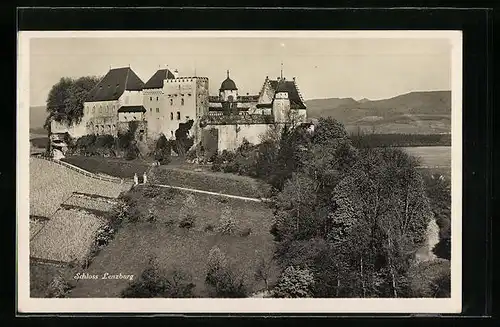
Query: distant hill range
413,113
38,115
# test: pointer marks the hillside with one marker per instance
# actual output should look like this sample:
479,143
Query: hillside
38,115
415,112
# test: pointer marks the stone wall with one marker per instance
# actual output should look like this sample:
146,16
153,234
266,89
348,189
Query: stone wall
230,137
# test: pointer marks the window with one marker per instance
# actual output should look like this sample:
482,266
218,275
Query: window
150,109
171,102
187,117
156,98
172,133
157,109
150,98
171,116
182,101
178,115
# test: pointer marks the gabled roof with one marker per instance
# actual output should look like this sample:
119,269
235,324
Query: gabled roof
156,81
293,93
131,109
114,83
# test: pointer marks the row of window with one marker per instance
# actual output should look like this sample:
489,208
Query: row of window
100,109
171,114
171,101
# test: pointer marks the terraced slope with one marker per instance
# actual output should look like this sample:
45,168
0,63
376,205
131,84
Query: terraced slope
51,184
67,236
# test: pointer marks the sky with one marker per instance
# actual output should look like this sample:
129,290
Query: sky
324,68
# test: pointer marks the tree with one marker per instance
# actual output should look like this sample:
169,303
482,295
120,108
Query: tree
58,288
438,192
155,282
381,216
227,225
294,283
66,98
222,278
162,150
263,271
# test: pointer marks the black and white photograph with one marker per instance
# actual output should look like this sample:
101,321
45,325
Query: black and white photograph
246,171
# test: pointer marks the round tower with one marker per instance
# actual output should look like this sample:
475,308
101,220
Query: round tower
228,91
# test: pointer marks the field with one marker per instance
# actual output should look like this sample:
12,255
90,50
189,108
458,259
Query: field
51,184
209,181
110,166
176,173
177,247
432,156
66,236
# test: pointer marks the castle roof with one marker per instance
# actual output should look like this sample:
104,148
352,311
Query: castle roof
114,83
228,84
156,81
293,93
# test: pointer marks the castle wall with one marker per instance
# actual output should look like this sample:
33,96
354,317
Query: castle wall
75,130
231,137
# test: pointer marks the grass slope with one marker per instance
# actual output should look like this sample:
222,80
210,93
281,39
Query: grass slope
175,247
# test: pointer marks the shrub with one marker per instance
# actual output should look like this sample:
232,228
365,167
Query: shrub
221,278
294,283
209,228
227,225
151,192
187,222
162,150
154,282
58,288
245,232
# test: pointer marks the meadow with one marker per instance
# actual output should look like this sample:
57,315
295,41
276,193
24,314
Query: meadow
176,247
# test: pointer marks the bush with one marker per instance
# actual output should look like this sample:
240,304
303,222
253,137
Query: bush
221,278
294,283
209,228
245,232
187,222
151,192
227,225
162,150
58,288
154,282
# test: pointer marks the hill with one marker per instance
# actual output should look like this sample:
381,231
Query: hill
38,114
414,112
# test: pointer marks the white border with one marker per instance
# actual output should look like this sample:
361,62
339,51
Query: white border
103,305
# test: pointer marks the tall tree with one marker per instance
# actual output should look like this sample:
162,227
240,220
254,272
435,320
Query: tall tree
66,98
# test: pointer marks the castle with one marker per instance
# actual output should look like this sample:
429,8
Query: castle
167,101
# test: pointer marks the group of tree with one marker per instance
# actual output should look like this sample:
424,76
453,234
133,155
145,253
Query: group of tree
66,99
353,218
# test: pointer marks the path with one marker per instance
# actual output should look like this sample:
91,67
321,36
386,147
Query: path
211,193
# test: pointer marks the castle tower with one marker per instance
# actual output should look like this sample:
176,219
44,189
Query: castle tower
281,102
228,91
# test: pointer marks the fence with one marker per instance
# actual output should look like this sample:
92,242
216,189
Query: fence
83,171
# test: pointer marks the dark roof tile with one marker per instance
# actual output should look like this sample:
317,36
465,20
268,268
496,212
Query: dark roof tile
114,83
156,81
